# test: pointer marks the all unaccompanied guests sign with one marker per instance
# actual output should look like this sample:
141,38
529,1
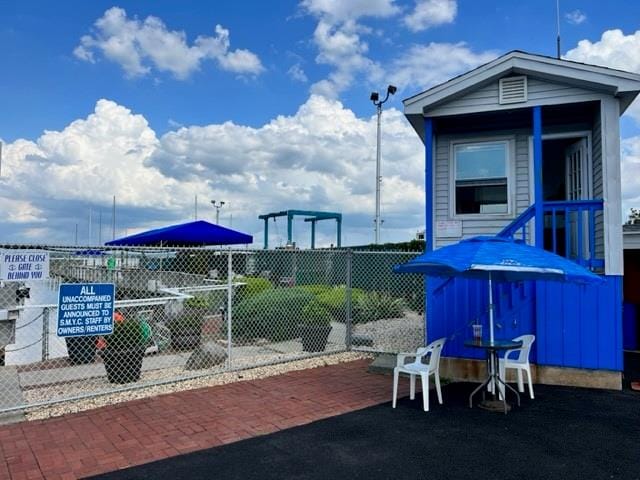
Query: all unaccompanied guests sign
85,309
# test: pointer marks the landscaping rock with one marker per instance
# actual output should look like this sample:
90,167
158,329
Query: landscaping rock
206,355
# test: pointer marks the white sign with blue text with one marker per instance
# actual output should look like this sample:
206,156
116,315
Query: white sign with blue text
85,309
23,265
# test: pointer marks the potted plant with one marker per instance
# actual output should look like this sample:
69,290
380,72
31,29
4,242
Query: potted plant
122,351
186,330
81,350
315,327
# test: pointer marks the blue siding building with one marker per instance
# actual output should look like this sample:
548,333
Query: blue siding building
528,146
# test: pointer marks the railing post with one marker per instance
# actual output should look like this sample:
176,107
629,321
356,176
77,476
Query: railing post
537,175
347,301
579,220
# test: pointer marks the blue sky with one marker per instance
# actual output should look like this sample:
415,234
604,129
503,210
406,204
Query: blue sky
264,104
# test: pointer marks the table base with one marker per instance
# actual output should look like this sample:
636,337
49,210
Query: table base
493,379
494,406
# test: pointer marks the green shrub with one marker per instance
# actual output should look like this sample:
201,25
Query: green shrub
272,314
206,301
335,300
316,289
197,301
252,286
376,306
314,313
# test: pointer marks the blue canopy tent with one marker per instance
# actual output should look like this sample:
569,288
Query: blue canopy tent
188,234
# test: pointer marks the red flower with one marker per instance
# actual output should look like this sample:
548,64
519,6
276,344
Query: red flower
101,343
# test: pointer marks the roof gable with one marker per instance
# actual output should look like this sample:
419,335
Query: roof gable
614,82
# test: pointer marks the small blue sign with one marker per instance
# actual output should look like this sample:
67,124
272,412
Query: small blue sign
85,309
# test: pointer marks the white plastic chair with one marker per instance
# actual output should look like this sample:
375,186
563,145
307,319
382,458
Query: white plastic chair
519,363
418,367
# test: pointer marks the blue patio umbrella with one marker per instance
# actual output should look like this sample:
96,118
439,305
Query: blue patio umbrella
500,259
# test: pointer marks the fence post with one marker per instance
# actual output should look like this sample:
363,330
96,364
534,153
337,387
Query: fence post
229,302
45,333
347,300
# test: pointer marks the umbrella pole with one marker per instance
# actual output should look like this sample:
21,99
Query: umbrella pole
492,365
490,310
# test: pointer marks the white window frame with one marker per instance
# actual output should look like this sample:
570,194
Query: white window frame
509,141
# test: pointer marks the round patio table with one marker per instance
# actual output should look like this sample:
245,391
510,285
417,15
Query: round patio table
493,376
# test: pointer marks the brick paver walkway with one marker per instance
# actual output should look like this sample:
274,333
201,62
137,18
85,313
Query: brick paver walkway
141,431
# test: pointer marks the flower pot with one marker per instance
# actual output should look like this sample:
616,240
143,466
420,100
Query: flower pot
81,350
314,337
123,366
186,340
186,331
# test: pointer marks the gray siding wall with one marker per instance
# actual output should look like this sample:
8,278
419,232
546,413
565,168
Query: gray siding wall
490,225
486,98
484,225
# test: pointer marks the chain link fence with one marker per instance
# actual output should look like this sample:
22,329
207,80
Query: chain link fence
186,312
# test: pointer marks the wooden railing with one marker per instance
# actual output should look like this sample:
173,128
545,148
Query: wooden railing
569,230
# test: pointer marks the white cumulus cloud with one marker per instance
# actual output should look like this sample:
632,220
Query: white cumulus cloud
431,13
614,50
423,66
320,158
341,10
140,46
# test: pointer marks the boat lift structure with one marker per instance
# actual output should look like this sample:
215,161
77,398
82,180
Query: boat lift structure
312,216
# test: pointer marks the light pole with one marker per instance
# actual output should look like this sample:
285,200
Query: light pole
375,98
217,206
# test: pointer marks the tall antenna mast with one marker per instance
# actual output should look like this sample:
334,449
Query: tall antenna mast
558,27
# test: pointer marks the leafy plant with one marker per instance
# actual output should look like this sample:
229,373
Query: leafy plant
197,301
335,300
207,301
127,335
252,286
314,313
272,314
376,306
316,289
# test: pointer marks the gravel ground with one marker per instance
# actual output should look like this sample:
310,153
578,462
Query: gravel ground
211,379
395,334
